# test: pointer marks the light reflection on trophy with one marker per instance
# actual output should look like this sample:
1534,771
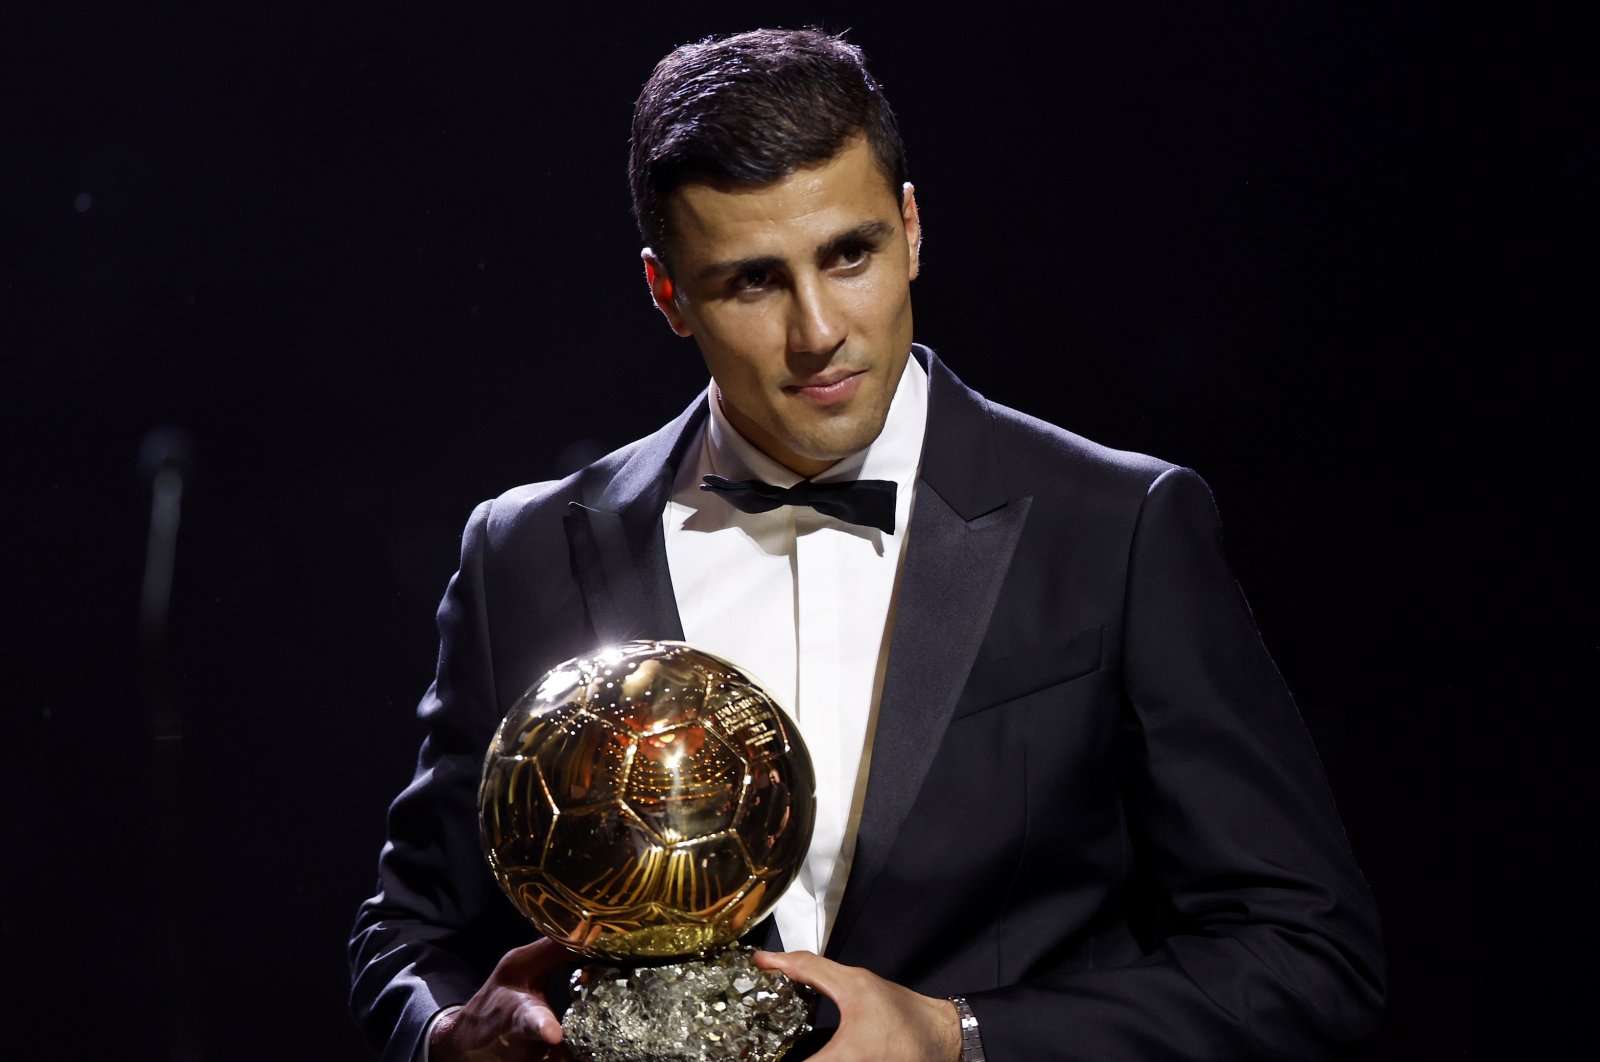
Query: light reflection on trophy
645,805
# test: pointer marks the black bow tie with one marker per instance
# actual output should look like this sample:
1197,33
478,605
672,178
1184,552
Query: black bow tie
868,502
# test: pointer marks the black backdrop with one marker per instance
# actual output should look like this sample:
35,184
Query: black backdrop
378,265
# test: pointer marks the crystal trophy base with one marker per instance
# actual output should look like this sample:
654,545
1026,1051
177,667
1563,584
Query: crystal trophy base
719,1008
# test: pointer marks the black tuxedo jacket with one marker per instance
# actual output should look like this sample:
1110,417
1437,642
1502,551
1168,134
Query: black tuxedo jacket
1092,808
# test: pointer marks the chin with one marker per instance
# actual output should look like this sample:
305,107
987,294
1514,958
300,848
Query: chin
837,449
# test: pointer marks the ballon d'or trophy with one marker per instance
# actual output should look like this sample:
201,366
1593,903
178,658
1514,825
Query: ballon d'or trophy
645,805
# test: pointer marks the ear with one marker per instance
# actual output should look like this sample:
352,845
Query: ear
663,293
913,224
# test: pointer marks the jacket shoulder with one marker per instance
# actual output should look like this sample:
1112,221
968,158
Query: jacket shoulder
1037,454
539,507
970,432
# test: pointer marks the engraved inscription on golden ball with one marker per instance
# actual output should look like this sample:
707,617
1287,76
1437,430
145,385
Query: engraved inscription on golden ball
649,801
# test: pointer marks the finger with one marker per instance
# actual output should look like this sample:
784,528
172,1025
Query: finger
826,976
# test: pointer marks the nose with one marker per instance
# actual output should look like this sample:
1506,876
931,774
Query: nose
816,325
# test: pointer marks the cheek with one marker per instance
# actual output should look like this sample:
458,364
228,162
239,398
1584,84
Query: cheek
881,301
747,344
742,378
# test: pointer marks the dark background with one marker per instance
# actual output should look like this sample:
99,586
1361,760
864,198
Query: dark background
378,264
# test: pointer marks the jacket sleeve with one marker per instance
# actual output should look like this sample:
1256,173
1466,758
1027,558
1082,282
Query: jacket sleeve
432,932
1268,944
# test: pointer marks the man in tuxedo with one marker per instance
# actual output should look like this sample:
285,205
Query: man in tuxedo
1066,808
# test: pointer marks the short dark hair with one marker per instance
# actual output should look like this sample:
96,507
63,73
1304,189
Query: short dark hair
753,108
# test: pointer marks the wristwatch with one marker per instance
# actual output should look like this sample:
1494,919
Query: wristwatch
971,1042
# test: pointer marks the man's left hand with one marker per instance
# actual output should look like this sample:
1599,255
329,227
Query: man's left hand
879,1021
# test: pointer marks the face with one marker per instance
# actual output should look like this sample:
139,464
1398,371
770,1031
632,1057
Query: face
798,294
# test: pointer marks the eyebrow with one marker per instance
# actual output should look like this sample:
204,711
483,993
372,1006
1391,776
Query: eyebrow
868,232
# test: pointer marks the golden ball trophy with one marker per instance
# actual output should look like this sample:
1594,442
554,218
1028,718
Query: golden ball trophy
645,805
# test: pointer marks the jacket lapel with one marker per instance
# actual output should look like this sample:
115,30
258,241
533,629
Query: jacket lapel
964,529
618,551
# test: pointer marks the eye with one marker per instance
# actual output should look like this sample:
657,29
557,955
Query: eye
852,255
753,279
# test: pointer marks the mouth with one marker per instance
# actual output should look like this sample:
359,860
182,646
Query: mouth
827,387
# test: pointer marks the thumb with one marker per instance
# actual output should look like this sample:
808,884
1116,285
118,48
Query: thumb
532,964
535,1019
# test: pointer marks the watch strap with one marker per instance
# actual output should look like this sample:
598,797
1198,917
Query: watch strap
971,1041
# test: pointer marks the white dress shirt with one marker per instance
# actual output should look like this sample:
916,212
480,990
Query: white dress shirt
802,601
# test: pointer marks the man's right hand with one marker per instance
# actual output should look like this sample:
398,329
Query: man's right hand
509,1017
